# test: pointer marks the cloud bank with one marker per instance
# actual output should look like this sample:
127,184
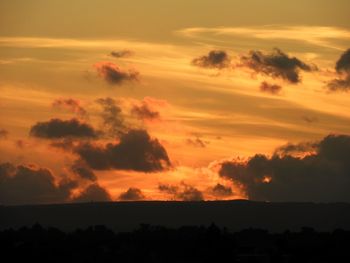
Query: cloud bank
322,176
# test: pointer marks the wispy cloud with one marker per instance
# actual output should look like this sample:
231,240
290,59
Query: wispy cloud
316,35
76,43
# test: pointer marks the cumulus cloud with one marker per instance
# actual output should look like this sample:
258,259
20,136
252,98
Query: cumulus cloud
132,194
80,169
3,133
136,150
70,105
112,116
29,184
342,67
122,53
214,59
220,190
93,193
270,88
114,75
276,65
183,192
323,176
59,129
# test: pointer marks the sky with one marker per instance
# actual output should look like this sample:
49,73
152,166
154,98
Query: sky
174,100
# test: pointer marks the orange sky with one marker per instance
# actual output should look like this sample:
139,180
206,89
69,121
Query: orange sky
141,55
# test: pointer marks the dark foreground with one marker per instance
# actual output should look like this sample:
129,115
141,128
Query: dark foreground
160,244
234,215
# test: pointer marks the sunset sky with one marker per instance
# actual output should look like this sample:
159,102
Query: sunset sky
174,100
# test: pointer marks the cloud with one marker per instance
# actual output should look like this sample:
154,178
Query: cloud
66,144
169,189
113,119
122,53
220,190
309,119
270,88
71,105
190,193
132,194
197,142
80,169
144,112
21,144
3,134
276,65
29,184
341,84
296,149
58,129
111,73
136,150
215,59
148,108
183,192
316,35
342,67
322,176
343,64
93,193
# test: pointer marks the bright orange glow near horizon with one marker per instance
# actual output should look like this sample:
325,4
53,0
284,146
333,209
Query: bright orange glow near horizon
129,100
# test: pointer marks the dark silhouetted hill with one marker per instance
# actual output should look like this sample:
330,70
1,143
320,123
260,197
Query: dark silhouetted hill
234,215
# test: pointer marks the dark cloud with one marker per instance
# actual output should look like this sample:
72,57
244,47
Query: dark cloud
145,112
169,189
71,105
343,64
111,73
122,53
215,59
340,84
66,144
58,129
323,176
342,67
270,88
3,134
83,171
112,115
31,185
136,151
295,149
132,194
190,193
183,192
276,65
93,193
220,190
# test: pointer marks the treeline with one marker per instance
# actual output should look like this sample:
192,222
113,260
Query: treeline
161,244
